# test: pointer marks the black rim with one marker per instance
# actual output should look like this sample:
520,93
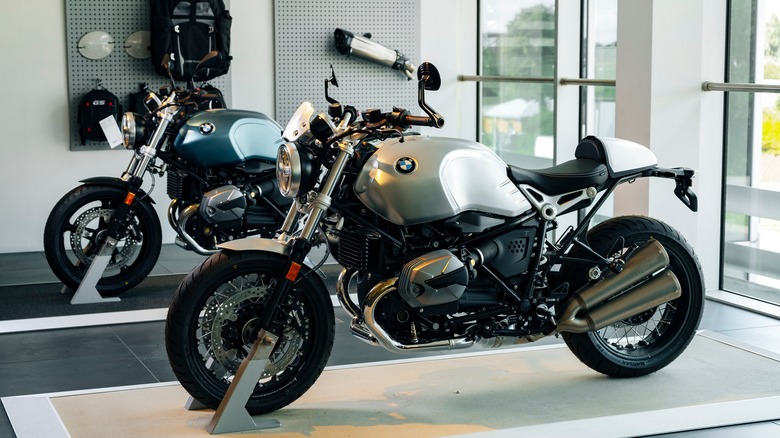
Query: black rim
226,328
84,232
650,331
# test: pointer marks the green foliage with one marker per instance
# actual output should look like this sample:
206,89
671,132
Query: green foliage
772,47
770,138
526,49
771,71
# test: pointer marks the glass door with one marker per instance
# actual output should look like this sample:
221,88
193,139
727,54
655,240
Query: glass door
517,91
750,264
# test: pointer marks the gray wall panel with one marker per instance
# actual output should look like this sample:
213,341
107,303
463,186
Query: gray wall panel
119,72
305,50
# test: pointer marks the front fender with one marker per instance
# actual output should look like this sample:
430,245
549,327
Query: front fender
115,182
275,246
257,244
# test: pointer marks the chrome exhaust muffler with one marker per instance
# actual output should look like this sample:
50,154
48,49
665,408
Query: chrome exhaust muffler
589,308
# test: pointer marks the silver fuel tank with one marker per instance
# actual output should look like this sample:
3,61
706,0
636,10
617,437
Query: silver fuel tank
424,179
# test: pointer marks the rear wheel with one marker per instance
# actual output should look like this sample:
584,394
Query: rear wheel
213,323
646,342
77,227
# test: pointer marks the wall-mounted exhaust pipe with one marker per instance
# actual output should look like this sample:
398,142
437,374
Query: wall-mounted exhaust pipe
347,43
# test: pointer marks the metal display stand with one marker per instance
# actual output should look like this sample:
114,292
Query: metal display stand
87,292
231,415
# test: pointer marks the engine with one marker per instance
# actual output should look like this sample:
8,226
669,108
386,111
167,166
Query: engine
433,279
226,212
223,204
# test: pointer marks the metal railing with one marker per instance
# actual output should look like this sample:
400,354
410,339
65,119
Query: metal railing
740,87
582,82
527,79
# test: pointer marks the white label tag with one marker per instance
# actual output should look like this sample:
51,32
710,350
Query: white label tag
111,130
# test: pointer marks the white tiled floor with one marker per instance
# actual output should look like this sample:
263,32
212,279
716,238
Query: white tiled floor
55,360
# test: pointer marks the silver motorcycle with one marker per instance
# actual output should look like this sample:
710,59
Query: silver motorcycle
447,247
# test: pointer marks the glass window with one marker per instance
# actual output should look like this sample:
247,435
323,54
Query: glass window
751,247
600,46
516,118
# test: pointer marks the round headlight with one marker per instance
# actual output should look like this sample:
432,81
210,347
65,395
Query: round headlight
288,170
296,170
133,130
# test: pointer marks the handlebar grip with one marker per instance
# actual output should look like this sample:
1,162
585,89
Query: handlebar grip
437,122
209,96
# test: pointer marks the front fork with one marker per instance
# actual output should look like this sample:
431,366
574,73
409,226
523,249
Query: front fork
133,176
301,245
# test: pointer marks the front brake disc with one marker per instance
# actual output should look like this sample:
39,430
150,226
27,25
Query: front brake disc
229,332
122,254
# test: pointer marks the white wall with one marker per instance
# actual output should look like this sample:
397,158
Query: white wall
37,166
449,41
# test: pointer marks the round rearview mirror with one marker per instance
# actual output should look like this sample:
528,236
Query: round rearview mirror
429,75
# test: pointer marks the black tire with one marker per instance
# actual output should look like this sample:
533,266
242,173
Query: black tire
647,342
76,228
210,321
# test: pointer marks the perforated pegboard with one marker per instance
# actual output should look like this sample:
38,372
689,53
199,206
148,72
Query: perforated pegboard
305,49
118,72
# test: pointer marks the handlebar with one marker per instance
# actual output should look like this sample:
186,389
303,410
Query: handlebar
422,121
403,119
208,96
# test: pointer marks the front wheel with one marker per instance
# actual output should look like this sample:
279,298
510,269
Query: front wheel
213,322
77,227
646,342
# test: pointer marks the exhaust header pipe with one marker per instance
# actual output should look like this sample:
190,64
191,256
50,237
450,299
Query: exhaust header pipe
370,331
588,310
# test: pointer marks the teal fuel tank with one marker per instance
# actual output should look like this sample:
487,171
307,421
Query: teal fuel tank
226,137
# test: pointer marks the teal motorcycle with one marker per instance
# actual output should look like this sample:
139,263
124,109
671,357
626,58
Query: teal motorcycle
221,178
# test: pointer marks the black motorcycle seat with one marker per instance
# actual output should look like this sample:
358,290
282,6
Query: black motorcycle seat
563,178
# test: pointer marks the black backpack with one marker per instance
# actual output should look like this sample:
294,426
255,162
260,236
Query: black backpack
187,30
137,101
95,106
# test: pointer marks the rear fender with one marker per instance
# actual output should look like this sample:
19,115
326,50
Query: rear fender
115,182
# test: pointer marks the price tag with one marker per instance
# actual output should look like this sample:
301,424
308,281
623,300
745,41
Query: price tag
111,130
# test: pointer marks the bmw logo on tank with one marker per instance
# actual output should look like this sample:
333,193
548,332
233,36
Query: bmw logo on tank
405,165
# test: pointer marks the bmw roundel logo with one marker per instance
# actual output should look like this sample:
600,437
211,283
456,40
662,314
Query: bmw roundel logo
405,165
207,128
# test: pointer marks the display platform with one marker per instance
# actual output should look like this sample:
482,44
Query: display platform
529,391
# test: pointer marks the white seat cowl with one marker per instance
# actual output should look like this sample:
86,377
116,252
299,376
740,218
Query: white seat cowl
624,156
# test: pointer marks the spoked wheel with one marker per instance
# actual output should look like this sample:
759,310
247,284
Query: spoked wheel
650,340
76,229
213,323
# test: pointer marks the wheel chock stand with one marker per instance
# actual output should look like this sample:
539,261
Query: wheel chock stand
87,292
231,415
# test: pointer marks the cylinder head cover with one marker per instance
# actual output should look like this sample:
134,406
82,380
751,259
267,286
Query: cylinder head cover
434,278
